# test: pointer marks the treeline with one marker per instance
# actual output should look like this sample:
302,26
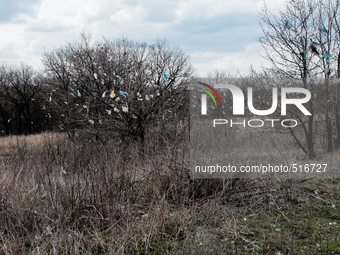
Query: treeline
23,101
110,89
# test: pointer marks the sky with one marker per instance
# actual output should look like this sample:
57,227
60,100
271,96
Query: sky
216,34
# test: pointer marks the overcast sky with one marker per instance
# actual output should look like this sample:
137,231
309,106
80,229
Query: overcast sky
220,35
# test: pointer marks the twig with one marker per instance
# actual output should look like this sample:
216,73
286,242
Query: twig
317,197
249,242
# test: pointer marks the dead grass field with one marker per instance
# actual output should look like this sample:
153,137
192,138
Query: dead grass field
9,144
79,197
245,146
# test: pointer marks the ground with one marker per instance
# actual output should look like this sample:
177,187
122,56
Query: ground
62,196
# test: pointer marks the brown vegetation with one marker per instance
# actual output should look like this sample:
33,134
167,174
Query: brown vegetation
80,197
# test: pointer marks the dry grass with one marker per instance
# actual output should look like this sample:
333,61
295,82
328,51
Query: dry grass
80,197
9,144
245,146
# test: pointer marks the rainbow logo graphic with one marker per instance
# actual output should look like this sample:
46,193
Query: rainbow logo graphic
204,97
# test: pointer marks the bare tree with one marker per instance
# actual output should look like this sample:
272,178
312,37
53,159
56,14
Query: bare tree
298,42
21,100
117,89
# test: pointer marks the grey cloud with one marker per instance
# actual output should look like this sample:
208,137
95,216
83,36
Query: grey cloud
9,9
213,34
224,34
161,12
8,53
47,26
